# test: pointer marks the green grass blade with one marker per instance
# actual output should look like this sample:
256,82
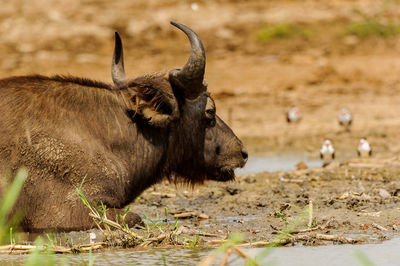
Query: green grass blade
363,259
12,193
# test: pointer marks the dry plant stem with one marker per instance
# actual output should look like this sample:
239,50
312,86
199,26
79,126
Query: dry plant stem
23,249
191,214
99,227
91,248
306,230
372,214
145,244
301,237
254,244
226,257
205,234
152,240
7,247
216,242
310,214
241,253
106,221
207,260
378,226
317,236
244,255
210,258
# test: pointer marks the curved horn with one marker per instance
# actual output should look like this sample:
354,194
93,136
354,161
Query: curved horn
117,67
190,77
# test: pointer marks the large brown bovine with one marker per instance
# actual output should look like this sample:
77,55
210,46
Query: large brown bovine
122,138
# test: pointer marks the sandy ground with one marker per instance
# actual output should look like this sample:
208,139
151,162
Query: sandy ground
254,84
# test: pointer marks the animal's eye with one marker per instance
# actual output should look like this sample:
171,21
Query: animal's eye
210,113
210,117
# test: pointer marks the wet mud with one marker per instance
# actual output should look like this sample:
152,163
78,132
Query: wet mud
355,198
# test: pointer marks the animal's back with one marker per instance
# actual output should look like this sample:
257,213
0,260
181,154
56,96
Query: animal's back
61,130
59,107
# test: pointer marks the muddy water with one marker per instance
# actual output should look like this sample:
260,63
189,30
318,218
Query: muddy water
386,253
120,257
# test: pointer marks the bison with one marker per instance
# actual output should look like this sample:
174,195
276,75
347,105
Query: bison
120,138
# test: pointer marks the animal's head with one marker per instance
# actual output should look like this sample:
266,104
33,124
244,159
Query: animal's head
223,152
327,143
173,102
363,141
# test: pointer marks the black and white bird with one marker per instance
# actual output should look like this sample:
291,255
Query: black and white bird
293,115
364,149
327,152
345,119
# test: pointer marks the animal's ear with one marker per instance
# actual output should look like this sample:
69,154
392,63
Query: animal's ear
117,66
154,104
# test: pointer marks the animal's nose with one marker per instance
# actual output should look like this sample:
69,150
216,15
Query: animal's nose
245,155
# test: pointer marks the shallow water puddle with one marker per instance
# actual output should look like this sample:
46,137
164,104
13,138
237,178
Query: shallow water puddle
274,163
386,253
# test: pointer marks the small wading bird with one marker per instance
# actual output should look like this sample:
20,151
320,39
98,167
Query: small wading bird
345,119
293,115
364,149
327,152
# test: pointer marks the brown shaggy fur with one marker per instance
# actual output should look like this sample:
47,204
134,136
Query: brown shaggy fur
65,128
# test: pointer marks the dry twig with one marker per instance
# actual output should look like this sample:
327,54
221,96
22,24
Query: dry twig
226,257
207,260
318,236
310,214
191,214
23,249
241,253
379,227
294,238
106,221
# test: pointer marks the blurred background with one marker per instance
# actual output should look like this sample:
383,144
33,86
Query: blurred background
263,57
